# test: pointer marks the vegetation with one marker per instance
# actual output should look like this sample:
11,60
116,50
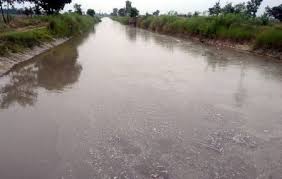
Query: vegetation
236,23
275,12
48,7
128,11
77,9
91,12
41,29
42,23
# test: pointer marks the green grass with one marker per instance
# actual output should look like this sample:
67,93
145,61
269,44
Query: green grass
123,20
69,24
233,27
13,42
57,26
270,38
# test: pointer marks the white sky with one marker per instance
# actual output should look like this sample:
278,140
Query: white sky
181,6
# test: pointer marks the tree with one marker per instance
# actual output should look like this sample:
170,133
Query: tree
91,12
128,6
156,13
8,4
115,12
264,18
275,12
2,11
189,14
172,13
228,8
215,10
253,6
51,6
134,12
240,8
77,9
196,14
28,11
37,9
122,12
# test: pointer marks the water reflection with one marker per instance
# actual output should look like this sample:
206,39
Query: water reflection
54,70
226,64
20,88
131,33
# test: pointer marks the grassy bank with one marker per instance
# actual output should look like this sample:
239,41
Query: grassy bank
231,27
27,32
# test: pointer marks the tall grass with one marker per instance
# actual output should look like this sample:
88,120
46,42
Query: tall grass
270,38
123,20
17,41
56,26
233,27
68,24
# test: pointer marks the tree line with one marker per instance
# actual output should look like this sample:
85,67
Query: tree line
249,8
128,10
38,7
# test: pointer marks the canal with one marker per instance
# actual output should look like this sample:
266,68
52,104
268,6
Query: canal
125,103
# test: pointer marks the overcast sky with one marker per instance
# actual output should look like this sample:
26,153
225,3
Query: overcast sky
181,6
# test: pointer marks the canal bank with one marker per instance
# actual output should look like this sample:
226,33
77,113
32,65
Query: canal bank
40,34
231,31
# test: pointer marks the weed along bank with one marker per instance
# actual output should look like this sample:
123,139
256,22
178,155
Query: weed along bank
26,35
231,26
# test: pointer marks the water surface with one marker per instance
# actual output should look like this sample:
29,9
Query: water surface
122,102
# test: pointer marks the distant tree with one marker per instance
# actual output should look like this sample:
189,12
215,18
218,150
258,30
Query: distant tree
51,6
196,13
216,9
91,12
228,8
264,18
115,12
156,13
275,12
37,9
122,12
77,9
147,14
189,14
134,12
8,4
128,6
2,11
253,6
172,13
28,11
240,8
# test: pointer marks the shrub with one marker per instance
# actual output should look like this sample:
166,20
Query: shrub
270,38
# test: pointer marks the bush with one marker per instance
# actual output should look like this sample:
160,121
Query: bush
270,38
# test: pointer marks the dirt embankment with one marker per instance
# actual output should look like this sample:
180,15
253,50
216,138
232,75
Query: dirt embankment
240,35
243,47
7,63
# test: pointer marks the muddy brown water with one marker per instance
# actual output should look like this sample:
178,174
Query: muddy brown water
125,103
